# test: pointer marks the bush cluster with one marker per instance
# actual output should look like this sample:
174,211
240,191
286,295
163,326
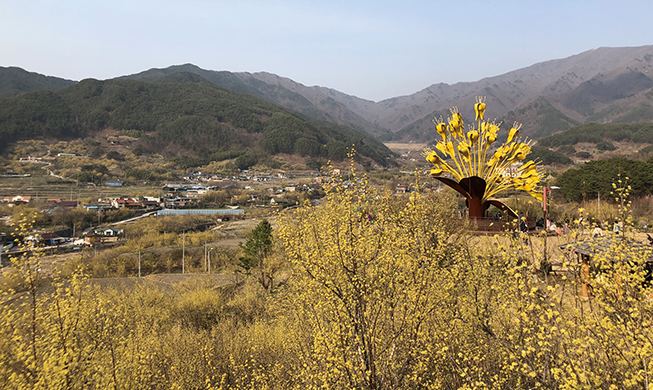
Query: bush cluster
383,292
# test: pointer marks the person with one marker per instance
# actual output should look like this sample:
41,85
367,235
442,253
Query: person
615,227
597,232
540,222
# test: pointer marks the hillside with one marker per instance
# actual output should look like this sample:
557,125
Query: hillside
606,84
599,141
186,117
540,118
602,85
596,133
16,81
275,89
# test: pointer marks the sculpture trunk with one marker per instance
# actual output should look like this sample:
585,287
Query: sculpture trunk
476,207
473,189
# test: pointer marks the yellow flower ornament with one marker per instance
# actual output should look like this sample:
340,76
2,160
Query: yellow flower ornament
479,107
477,172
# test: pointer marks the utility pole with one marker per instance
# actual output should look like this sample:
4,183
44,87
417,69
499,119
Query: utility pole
546,222
183,252
139,264
545,199
209,253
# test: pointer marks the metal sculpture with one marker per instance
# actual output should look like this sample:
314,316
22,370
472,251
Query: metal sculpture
478,173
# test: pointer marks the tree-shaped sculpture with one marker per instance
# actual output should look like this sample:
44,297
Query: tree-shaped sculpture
479,174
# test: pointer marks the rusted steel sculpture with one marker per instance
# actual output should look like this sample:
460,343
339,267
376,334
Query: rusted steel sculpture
477,173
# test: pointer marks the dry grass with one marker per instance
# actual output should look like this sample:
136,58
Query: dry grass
399,147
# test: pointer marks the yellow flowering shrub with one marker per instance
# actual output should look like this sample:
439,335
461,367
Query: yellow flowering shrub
384,292
367,270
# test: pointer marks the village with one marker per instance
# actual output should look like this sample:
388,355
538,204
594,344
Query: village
82,220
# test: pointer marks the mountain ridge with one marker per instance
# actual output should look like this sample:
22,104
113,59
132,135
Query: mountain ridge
275,89
603,84
15,81
179,118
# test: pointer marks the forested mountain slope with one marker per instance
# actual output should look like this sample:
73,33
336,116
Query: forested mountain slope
182,115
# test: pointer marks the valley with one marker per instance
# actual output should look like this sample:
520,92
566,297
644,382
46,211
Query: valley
190,228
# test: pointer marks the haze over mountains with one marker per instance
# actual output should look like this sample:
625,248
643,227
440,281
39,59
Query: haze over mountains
602,85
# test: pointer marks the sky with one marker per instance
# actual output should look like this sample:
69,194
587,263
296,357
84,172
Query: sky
371,49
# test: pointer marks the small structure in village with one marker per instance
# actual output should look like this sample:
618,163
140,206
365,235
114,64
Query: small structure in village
45,239
113,183
16,200
98,234
200,212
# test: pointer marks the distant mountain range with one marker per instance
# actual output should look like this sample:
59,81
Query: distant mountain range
605,85
602,85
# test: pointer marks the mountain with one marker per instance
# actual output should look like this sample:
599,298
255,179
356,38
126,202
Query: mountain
596,141
16,81
547,97
180,115
601,85
595,133
605,84
540,118
275,89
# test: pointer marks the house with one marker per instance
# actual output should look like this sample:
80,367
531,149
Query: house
150,204
109,232
401,189
30,159
100,234
178,202
51,239
92,238
16,200
279,202
45,239
113,183
129,203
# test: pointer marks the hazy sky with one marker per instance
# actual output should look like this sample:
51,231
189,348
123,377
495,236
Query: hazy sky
372,49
